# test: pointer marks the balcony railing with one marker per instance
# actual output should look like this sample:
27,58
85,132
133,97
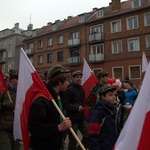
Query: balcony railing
73,42
73,60
96,37
96,57
29,51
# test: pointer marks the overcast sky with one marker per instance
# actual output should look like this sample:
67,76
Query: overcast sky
40,12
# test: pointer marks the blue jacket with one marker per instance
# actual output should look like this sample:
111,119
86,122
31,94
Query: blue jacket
104,126
130,96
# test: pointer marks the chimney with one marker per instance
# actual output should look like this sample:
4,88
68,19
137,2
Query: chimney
16,25
30,27
116,5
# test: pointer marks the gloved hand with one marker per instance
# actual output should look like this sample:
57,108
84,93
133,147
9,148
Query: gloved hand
8,105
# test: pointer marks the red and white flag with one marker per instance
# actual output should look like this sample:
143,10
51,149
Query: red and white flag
3,86
30,86
136,132
144,62
88,81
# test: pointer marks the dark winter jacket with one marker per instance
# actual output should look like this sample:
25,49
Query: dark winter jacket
74,97
7,110
104,126
43,124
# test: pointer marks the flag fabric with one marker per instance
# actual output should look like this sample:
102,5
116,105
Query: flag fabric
30,86
136,132
88,81
3,86
144,62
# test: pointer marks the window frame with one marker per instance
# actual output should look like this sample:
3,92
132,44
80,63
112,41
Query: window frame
60,58
50,41
60,39
117,46
133,25
40,59
114,26
146,19
122,72
96,50
129,50
130,76
49,57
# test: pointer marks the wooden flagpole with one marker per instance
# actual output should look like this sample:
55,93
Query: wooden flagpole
72,131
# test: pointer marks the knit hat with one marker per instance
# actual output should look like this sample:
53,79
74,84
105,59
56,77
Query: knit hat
56,70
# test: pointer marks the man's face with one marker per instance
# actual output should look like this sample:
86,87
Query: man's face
110,97
103,79
78,79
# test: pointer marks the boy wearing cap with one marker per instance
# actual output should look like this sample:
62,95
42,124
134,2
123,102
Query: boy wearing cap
45,123
73,101
102,77
104,125
7,107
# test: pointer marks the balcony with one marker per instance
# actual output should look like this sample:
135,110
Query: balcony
74,42
29,51
73,60
96,37
96,57
2,48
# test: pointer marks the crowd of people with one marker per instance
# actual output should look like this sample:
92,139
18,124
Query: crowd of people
110,108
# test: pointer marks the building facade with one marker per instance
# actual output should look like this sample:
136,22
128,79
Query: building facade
111,38
11,40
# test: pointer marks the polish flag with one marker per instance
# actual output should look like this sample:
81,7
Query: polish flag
136,132
88,81
30,86
3,86
144,62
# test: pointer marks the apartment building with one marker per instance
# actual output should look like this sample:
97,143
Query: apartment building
111,38
10,44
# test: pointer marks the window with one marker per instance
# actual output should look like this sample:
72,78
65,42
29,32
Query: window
74,35
135,72
136,3
75,53
116,26
81,19
54,27
49,57
147,19
9,53
132,23
10,41
40,59
30,46
116,47
40,44
60,56
31,59
96,49
96,70
133,44
97,29
100,13
148,42
49,41
118,72
60,39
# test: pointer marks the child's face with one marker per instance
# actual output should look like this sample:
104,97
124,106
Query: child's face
110,97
